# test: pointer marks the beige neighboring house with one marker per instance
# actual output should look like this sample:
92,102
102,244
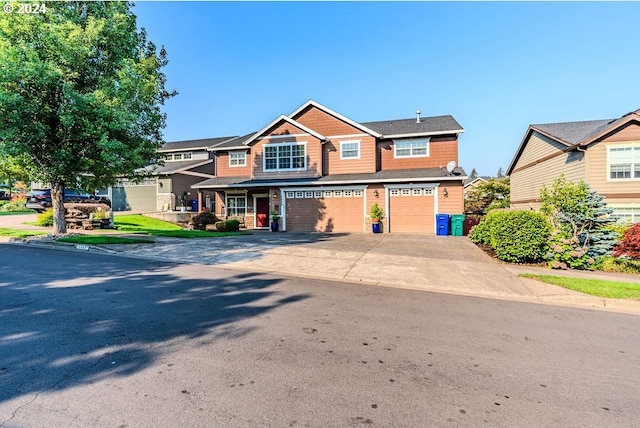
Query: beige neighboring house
604,153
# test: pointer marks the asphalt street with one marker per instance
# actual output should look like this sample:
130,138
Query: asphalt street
91,340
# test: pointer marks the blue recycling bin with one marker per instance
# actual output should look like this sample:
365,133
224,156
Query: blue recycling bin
194,205
442,224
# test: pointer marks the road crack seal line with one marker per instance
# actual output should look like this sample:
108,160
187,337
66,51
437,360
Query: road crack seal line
52,386
360,258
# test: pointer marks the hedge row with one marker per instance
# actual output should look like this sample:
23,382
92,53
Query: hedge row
515,236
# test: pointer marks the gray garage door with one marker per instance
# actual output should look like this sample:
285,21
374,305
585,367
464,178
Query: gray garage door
131,196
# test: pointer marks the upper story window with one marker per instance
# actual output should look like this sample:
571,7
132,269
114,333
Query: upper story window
285,157
411,148
624,162
350,149
237,158
178,156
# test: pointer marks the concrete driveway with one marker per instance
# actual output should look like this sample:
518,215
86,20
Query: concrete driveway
446,264
432,263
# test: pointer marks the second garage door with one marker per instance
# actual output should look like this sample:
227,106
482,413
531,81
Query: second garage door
339,210
411,210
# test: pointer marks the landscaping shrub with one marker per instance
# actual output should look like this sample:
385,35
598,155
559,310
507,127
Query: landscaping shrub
617,264
515,236
233,225
481,233
201,220
629,246
17,204
45,218
565,251
221,226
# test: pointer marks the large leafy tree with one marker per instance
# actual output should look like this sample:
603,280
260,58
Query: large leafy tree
493,194
81,90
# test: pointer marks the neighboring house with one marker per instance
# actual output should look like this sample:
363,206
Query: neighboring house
321,171
168,187
603,153
473,183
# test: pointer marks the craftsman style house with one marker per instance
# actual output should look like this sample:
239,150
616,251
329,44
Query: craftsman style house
318,170
604,153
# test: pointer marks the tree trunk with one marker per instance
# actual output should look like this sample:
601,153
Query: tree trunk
57,201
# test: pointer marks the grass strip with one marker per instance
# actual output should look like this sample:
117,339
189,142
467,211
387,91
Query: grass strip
102,240
19,233
594,287
136,223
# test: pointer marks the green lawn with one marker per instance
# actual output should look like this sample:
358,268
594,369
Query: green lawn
102,240
18,233
136,223
594,287
17,212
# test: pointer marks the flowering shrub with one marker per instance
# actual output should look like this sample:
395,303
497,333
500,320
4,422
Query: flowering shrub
565,252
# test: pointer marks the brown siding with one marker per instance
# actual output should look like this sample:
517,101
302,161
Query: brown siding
323,123
335,165
596,163
454,202
442,150
314,154
224,170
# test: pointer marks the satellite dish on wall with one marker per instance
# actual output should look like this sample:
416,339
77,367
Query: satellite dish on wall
450,166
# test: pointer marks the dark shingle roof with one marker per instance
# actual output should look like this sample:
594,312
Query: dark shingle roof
574,132
232,143
407,175
202,143
173,167
435,124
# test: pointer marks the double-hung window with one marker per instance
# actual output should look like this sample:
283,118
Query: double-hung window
285,157
411,148
350,149
236,205
237,158
624,162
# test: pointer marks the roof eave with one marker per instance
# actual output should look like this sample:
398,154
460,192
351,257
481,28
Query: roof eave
336,115
423,134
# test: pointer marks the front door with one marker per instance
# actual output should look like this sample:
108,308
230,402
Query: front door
262,212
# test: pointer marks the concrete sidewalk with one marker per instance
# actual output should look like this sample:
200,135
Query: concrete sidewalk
432,263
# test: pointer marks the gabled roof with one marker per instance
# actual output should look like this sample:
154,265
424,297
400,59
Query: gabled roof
280,119
435,125
570,133
200,144
175,167
574,134
233,144
327,110
473,182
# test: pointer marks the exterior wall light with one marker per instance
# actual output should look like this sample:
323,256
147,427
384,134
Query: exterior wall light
445,192
375,193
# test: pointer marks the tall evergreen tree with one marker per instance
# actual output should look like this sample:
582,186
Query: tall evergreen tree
474,174
80,95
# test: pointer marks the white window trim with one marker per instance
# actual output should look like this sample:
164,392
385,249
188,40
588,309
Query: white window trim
244,158
235,195
170,157
342,143
278,169
633,145
413,140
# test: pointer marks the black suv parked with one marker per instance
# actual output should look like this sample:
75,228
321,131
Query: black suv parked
40,199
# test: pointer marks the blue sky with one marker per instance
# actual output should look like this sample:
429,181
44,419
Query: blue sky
496,67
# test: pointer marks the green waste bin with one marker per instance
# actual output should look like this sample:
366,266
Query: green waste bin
457,224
